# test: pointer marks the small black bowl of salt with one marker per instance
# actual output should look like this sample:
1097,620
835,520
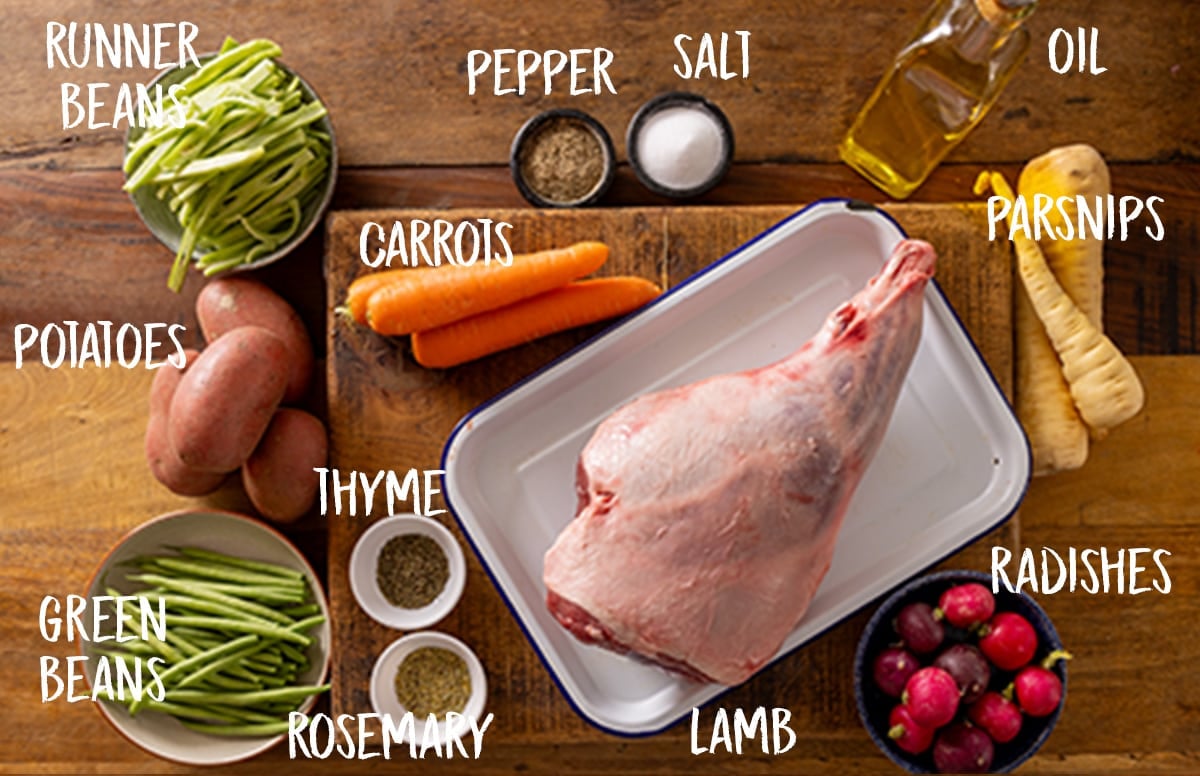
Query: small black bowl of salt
562,158
679,144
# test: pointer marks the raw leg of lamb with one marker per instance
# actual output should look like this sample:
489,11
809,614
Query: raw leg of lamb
708,513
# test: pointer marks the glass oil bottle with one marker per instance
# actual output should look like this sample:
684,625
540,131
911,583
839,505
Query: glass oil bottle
939,87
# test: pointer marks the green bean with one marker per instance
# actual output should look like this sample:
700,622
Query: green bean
197,636
302,611
282,694
226,663
221,682
190,712
197,590
182,668
140,647
249,730
242,714
187,647
267,661
262,593
272,681
225,573
307,622
204,606
249,565
167,651
293,654
241,626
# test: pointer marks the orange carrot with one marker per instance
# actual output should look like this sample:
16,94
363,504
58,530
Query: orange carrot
576,304
430,297
361,289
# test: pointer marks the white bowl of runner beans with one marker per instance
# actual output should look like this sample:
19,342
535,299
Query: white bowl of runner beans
407,572
238,171
225,623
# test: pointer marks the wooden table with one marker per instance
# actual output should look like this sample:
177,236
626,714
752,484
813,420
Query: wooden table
71,248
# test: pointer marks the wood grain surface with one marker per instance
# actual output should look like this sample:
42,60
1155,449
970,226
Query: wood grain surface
1132,697
392,72
74,249
72,472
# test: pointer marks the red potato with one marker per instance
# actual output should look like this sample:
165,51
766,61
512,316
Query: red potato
166,378
226,399
279,476
229,303
164,462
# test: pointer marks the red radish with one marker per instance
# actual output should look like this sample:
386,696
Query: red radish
1009,641
919,627
997,715
892,670
969,668
963,748
908,734
1039,690
931,696
967,605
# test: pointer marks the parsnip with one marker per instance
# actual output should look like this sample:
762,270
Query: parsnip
1058,437
1071,171
1103,384
1066,172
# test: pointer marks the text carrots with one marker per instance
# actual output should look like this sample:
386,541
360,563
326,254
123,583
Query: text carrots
576,304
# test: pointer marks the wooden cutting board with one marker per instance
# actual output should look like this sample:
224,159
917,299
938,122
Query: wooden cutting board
386,412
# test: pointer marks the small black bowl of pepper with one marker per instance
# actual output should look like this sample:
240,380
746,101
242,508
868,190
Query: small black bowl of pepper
562,158
407,572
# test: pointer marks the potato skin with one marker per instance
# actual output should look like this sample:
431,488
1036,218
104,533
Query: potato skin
226,399
229,303
163,460
279,476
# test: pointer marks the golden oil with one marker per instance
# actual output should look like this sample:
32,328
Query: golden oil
939,87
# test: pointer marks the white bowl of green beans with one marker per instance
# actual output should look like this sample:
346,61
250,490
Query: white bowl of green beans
236,169
245,639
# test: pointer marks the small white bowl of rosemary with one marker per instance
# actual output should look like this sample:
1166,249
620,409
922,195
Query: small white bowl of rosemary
428,673
407,572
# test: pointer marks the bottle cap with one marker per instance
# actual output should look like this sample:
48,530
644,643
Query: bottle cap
998,11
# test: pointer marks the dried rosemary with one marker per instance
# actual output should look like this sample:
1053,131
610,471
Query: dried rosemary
432,680
412,570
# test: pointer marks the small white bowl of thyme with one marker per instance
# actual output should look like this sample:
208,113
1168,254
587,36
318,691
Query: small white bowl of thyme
426,673
407,572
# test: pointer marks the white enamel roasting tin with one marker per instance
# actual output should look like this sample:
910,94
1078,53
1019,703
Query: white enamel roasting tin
953,465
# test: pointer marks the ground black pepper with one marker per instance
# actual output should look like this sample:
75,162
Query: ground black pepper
562,160
412,570
432,680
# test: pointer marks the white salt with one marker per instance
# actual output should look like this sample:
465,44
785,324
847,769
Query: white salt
680,147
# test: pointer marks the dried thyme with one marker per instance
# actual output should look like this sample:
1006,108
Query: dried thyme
412,571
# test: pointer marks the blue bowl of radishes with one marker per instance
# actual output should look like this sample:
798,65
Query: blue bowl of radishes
951,678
